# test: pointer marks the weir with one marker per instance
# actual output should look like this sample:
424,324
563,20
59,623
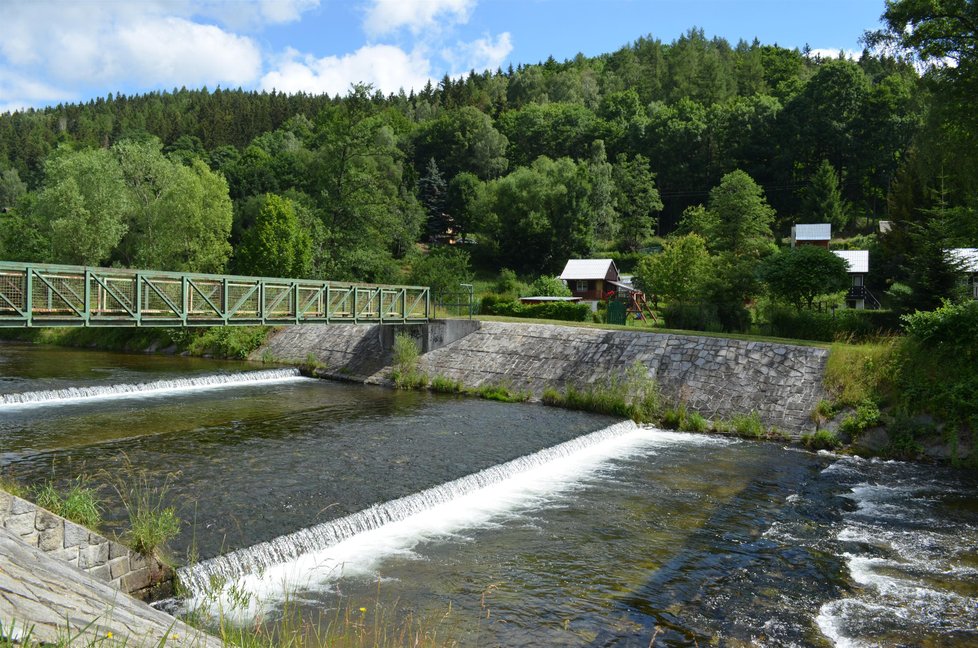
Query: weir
227,568
33,295
154,388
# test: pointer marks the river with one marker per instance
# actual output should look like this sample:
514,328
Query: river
515,525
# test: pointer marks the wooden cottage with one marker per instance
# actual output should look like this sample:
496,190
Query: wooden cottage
858,296
592,280
811,234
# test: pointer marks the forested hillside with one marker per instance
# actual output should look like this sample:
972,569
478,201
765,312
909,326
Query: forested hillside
527,167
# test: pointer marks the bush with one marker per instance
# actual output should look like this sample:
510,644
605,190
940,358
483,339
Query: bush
546,286
563,311
821,440
825,326
950,330
691,317
867,415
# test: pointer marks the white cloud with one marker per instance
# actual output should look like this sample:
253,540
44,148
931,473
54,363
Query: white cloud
387,16
146,44
175,51
833,53
20,92
386,67
481,54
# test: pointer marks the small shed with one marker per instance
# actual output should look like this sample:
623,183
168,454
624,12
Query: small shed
967,258
811,234
591,279
858,261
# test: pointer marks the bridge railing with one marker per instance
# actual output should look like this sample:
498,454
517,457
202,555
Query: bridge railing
57,295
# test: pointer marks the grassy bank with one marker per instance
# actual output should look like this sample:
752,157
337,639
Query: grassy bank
921,389
232,342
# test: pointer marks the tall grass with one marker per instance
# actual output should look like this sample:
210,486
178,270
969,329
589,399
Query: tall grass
80,504
404,368
855,373
152,524
633,395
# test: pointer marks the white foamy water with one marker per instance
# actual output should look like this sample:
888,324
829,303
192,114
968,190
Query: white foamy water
271,572
901,556
70,395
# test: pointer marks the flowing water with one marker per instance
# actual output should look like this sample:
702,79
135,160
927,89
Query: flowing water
534,526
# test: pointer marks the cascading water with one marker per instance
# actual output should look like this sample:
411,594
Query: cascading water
154,388
229,567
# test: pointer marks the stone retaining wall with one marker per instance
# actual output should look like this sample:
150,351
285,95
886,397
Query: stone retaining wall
718,377
140,576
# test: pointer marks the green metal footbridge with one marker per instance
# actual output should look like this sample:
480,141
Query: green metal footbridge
35,295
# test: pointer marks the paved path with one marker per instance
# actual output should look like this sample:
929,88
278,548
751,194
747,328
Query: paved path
56,599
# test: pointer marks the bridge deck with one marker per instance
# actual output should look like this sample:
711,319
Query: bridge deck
56,295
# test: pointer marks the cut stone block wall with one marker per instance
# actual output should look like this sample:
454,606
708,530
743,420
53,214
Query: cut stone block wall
718,377
143,577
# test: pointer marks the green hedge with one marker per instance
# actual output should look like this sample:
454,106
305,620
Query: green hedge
564,311
726,316
812,325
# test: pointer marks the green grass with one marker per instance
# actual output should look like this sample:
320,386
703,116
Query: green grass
500,392
80,504
152,524
821,440
446,385
373,624
748,425
856,373
12,486
404,368
633,395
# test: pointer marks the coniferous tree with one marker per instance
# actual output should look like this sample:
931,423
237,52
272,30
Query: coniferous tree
822,201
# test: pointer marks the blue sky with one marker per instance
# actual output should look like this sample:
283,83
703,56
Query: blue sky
55,51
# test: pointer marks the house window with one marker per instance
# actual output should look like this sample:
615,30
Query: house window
581,285
857,280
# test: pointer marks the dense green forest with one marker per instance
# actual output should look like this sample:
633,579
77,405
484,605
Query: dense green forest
707,149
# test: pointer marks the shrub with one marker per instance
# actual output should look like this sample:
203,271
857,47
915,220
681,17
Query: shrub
563,311
223,341
867,415
820,440
548,286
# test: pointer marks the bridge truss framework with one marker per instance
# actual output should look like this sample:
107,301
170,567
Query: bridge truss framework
36,295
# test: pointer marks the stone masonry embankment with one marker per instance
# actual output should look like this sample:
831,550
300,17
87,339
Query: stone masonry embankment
718,377
143,577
